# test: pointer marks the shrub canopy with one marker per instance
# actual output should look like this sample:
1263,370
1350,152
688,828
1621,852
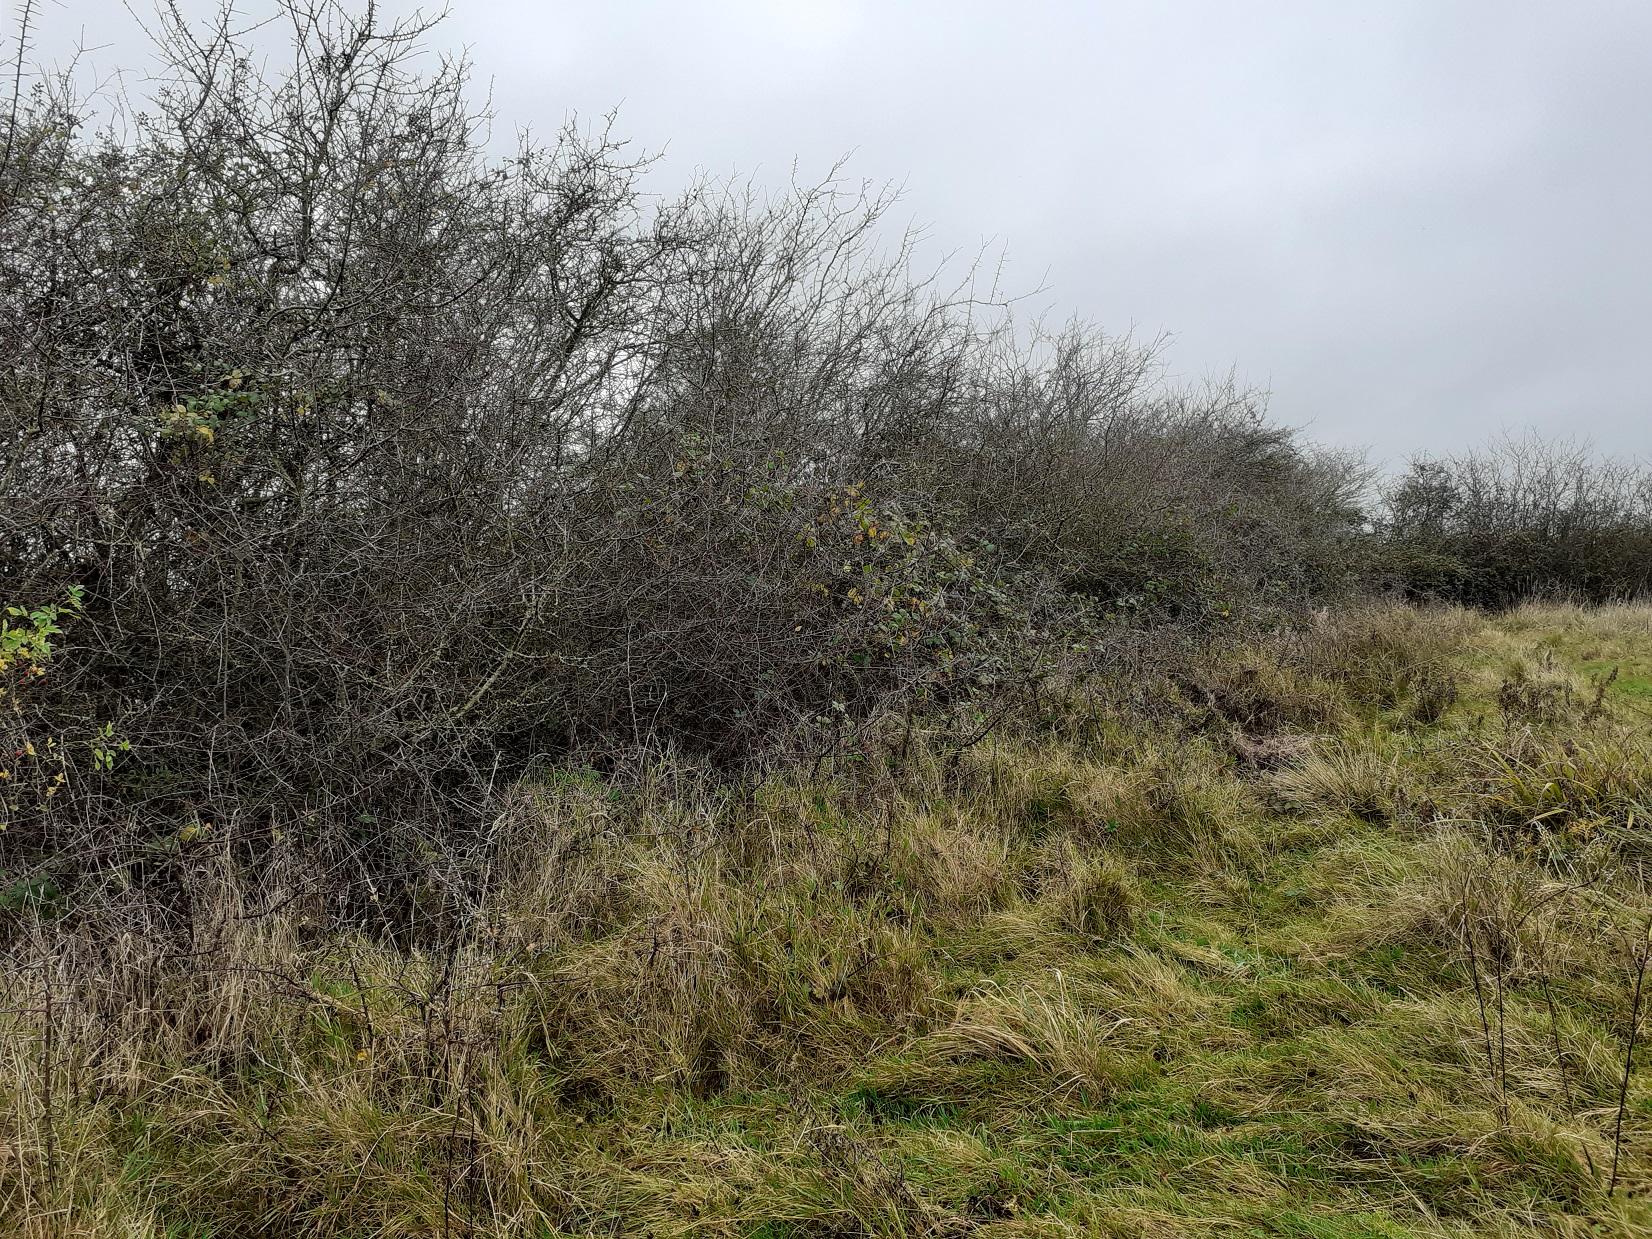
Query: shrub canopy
364,466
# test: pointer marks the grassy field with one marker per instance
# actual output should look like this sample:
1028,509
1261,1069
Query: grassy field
1334,936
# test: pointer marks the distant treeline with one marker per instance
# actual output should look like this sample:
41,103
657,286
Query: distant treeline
350,469
1521,518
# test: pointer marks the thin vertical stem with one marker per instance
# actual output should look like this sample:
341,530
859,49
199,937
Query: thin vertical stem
1502,1041
1629,1055
1560,1060
1479,998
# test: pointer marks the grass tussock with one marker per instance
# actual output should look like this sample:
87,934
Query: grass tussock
1119,978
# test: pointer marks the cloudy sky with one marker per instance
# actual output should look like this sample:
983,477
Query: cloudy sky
1419,223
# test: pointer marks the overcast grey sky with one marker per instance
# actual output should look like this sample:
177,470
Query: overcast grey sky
1418,223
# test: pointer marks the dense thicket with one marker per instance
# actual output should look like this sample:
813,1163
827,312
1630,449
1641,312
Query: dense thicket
365,466
1518,519
349,467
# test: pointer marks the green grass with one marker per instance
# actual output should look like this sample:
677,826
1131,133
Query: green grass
1137,989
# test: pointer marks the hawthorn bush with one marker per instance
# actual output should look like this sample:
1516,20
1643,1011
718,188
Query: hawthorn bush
382,466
